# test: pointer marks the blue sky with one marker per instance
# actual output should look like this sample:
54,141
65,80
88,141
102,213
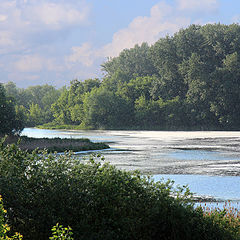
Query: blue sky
56,41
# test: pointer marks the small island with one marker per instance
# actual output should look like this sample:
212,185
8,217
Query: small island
55,144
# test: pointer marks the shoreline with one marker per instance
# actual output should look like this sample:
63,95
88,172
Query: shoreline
136,128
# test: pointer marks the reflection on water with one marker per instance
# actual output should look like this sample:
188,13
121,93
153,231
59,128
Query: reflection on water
95,136
162,152
198,155
195,158
214,191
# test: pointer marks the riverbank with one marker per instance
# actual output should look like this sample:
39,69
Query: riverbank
56,144
52,126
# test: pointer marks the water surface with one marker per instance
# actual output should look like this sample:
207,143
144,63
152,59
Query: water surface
209,162
163,152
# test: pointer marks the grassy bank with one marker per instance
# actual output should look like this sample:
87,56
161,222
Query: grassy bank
56,144
63,126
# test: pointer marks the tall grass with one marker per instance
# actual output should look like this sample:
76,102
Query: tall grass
55,144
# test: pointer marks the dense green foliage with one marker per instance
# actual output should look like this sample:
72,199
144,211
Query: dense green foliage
34,102
98,201
190,80
61,233
58,232
10,118
4,228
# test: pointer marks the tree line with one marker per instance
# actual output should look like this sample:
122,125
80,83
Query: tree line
186,81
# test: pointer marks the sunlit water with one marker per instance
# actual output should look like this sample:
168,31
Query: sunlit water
209,162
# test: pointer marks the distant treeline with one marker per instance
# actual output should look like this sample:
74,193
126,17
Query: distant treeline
190,80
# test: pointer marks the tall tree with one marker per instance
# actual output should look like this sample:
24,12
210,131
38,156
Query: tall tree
226,104
10,122
169,83
104,108
131,62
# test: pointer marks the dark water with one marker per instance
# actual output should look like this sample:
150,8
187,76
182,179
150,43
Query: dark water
209,162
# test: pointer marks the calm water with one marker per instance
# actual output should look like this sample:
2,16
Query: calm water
209,162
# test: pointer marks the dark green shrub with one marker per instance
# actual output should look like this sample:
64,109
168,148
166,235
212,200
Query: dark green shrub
96,199
4,228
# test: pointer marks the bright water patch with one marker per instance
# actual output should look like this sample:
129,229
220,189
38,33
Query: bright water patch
220,187
39,133
94,136
197,155
220,205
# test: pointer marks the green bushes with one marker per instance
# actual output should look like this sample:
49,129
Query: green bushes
58,232
4,228
97,200
61,233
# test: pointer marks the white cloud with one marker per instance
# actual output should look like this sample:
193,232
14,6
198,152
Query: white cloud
195,5
31,77
52,65
22,76
162,21
29,63
36,63
236,19
83,54
3,18
21,20
27,28
5,39
55,15
146,29
83,62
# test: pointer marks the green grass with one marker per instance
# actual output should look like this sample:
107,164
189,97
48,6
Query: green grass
63,126
53,126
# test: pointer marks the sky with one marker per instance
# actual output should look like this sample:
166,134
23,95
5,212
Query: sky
55,41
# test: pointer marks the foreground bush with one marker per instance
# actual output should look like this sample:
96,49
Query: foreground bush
58,232
97,200
4,228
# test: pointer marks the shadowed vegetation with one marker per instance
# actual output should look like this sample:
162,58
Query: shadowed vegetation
99,201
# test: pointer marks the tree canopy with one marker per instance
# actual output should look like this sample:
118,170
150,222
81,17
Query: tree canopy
190,80
10,119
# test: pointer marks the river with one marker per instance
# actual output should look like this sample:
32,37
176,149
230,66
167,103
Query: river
208,161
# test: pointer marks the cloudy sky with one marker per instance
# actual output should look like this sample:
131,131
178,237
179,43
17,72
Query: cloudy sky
56,41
